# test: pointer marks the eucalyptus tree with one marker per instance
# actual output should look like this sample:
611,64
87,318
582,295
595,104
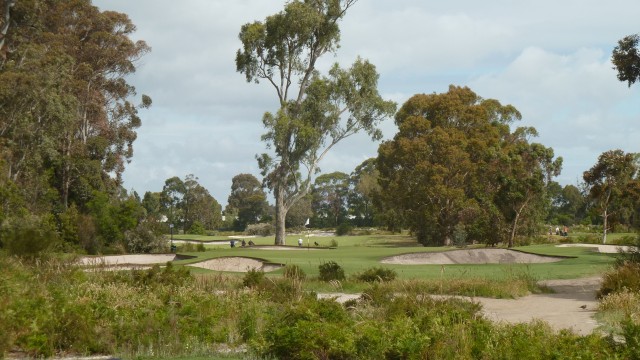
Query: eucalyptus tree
68,122
626,59
330,195
455,171
248,199
608,181
526,171
364,187
315,112
199,206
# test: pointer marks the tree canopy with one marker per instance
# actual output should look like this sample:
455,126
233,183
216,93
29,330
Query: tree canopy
455,170
626,59
67,114
608,181
315,111
247,200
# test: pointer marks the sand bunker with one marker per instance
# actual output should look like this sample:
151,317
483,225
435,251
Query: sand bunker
607,249
282,247
470,256
236,264
140,259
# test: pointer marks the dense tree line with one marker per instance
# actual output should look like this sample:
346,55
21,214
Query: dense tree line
456,171
67,123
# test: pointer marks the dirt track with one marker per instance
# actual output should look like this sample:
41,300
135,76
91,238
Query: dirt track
561,310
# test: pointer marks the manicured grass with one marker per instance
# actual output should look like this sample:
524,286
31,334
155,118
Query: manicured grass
358,253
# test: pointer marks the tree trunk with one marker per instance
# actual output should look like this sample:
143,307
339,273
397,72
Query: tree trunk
515,222
513,230
604,227
281,214
8,4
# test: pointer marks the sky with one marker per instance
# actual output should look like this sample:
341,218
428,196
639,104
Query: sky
551,59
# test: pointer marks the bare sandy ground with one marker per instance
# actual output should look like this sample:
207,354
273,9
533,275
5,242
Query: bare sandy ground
236,264
609,249
561,310
138,259
280,247
470,256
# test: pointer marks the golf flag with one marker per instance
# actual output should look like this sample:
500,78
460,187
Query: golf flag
307,223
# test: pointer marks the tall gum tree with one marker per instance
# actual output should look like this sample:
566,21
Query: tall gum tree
607,181
315,111
455,168
626,59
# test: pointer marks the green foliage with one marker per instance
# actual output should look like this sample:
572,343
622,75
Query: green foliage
378,274
145,238
310,329
631,335
253,278
53,308
263,229
156,276
344,229
30,237
293,271
456,164
624,276
626,59
197,228
324,111
330,271
248,200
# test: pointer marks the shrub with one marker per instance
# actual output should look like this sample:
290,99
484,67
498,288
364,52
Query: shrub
460,235
263,229
379,274
30,237
310,329
344,229
625,276
197,228
632,255
144,239
200,247
334,243
253,278
293,271
330,271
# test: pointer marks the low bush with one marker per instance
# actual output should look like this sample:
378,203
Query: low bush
197,229
624,276
344,229
253,278
29,237
379,274
330,271
263,229
293,271
145,239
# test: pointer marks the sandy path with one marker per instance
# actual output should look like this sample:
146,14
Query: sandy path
561,310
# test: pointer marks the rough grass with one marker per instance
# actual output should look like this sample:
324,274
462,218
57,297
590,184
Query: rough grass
52,307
